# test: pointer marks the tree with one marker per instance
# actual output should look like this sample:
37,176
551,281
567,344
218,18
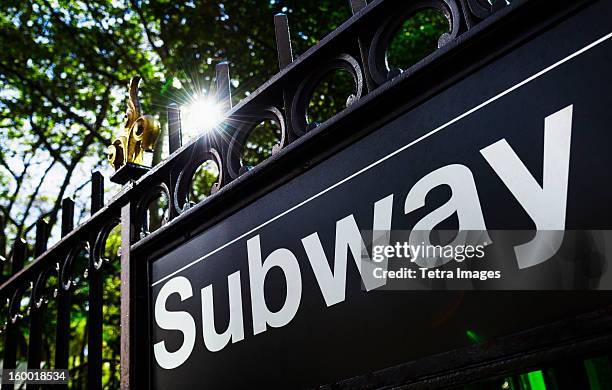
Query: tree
64,68
65,65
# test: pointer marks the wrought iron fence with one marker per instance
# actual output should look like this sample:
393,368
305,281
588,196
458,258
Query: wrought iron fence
358,46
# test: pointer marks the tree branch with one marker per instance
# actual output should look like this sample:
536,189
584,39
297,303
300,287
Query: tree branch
41,135
161,51
33,197
54,100
5,165
52,214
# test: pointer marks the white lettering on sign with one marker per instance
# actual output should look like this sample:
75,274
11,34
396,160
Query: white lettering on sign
288,263
180,321
348,239
235,330
545,205
464,201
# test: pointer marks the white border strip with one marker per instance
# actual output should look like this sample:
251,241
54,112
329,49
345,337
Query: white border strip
377,162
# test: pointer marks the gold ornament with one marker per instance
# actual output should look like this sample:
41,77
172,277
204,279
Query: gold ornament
140,133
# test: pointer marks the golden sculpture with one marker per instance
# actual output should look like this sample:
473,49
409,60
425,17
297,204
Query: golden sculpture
140,133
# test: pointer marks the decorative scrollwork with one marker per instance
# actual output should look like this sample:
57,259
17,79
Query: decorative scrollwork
140,133
304,92
97,258
242,131
204,152
146,204
66,271
39,295
14,307
482,9
377,57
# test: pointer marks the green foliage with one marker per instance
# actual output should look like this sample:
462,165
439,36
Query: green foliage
203,180
417,37
330,96
260,142
64,66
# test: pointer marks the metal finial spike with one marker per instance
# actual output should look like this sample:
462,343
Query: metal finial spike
283,40
358,5
175,137
97,191
42,236
224,93
67,216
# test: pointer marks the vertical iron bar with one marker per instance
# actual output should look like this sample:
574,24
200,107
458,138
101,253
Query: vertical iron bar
224,92
134,309
19,255
2,246
97,192
2,263
12,328
95,278
37,312
2,249
285,57
42,236
175,140
283,40
174,127
224,101
67,216
356,6
62,338
127,309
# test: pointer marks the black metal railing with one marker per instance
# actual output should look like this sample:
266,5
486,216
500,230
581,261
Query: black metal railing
358,46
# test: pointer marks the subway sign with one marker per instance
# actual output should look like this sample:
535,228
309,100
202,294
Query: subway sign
329,276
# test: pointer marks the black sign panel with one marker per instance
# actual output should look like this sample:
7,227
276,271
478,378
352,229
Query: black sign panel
272,295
